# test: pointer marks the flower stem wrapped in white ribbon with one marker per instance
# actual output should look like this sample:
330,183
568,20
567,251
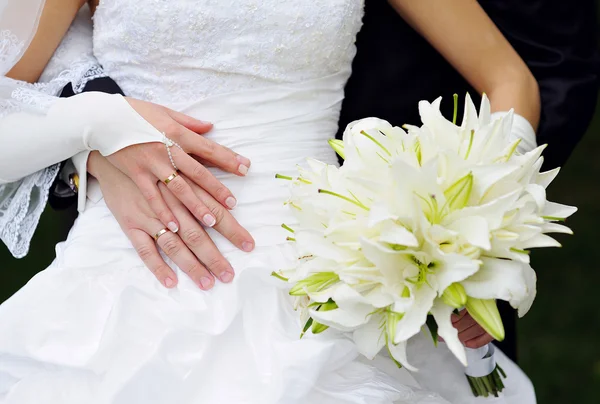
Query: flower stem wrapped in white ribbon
419,222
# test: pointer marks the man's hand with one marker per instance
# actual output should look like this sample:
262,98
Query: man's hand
471,334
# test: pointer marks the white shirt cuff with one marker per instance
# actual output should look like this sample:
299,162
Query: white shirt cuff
521,129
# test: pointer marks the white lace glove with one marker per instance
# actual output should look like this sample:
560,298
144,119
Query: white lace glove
521,129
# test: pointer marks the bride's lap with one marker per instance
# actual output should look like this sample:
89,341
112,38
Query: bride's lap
98,309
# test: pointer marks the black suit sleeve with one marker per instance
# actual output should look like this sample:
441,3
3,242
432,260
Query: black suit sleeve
558,41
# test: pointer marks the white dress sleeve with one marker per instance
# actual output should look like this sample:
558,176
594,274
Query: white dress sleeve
39,130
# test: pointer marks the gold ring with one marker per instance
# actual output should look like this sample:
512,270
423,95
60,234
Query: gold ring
170,178
160,233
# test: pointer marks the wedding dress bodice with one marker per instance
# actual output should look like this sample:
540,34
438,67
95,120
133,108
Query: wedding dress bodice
168,51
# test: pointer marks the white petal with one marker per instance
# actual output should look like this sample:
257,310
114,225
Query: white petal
395,234
391,263
398,352
555,228
484,111
314,243
541,240
524,304
553,209
538,193
369,338
544,179
470,120
485,176
415,317
454,268
497,279
442,314
474,229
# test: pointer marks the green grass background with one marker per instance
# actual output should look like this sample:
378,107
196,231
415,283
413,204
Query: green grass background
559,343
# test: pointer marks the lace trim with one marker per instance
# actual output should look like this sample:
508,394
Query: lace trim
21,207
93,73
10,47
22,202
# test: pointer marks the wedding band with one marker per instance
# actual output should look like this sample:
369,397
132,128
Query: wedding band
160,233
170,178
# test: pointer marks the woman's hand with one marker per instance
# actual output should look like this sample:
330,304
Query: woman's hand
191,249
471,334
149,164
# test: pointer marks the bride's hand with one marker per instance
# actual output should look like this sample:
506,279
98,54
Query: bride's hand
471,334
148,164
189,248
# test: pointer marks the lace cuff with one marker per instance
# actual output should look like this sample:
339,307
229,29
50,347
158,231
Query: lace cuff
22,202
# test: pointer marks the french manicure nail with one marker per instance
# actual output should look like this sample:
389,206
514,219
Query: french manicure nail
231,202
247,246
243,160
226,277
205,282
173,227
243,169
209,220
169,282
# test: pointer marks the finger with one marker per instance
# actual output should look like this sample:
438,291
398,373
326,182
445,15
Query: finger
195,125
157,204
201,176
455,317
194,236
146,248
174,248
464,323
218,155
205,163
182,190
471,333
226,223
479,341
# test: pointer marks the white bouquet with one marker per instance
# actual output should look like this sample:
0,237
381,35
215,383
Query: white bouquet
416,224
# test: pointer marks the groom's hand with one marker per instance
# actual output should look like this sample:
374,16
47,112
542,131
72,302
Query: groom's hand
471,334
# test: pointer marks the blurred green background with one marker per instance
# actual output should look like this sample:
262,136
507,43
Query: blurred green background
559,344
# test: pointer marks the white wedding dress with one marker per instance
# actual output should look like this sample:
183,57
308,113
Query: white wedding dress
96,327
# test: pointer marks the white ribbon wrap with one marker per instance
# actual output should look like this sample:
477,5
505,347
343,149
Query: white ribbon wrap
481,361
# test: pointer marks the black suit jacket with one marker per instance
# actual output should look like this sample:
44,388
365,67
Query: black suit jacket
395,68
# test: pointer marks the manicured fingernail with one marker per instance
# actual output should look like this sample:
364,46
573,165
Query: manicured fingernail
243,169
209,220
231,202
243,160
169,282
226,277
247,246
205,122
173,227
206,283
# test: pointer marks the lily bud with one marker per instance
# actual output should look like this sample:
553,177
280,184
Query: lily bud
457,195
318,328
338,146
455,296
315,283
485,312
